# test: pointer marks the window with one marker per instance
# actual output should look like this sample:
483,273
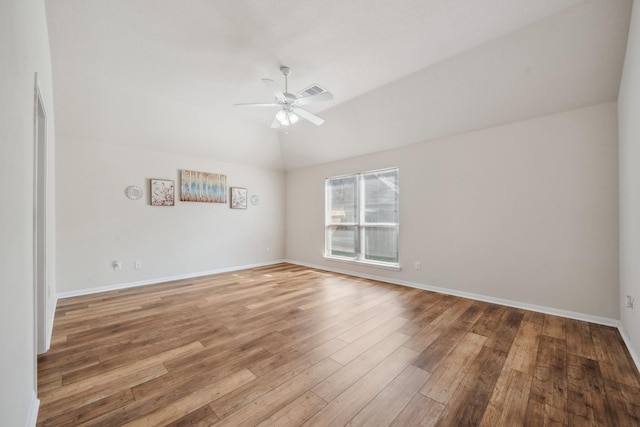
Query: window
361,219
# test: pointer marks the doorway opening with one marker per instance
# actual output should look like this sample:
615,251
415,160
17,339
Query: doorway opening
40,222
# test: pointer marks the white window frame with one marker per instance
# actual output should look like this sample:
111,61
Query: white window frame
361,223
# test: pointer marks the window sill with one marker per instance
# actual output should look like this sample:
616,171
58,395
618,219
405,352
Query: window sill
385,266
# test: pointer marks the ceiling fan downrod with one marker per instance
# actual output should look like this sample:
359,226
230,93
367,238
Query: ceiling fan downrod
285,71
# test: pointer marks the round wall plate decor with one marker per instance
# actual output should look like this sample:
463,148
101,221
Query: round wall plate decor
133,192
255,200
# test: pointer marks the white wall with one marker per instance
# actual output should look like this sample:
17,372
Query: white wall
97,224
24,50
525,212
629,130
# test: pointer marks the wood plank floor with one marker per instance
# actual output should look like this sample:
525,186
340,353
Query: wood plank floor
288,345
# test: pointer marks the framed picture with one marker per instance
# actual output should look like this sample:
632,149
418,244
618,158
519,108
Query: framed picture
238,198
203,187
162,192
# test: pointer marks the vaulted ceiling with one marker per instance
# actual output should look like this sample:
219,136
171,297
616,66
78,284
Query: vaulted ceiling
165,74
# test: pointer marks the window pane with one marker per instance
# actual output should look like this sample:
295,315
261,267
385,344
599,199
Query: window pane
343,240
362,216
381,244
343,200
381,197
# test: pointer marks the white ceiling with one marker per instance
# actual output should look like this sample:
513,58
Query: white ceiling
164,74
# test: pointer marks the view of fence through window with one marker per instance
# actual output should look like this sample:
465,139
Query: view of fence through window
362,218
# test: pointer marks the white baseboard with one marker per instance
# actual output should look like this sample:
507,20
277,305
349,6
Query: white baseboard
509,303
627,341
34,407
157,280
500,301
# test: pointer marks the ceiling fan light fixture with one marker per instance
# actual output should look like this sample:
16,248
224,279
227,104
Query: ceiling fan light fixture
286,118
289,105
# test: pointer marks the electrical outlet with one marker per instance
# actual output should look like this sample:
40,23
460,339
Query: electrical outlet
267,249
117,265
629,302
137,264
417,265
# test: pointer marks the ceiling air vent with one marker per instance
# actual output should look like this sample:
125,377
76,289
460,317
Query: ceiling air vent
311,90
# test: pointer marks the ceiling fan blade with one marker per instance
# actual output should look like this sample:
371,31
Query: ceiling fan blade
306,100
274,88
308,116
249,104
275,124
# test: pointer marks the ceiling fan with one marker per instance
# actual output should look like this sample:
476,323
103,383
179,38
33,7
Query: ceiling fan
290,104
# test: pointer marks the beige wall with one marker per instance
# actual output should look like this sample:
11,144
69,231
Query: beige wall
24,50
97,224
525,212
629,128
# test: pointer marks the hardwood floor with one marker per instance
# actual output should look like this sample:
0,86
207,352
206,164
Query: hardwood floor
287,345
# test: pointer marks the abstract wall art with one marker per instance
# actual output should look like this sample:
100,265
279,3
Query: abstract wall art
238,198
162,192
203,187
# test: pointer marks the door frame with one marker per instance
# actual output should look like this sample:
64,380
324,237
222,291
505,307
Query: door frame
40,221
